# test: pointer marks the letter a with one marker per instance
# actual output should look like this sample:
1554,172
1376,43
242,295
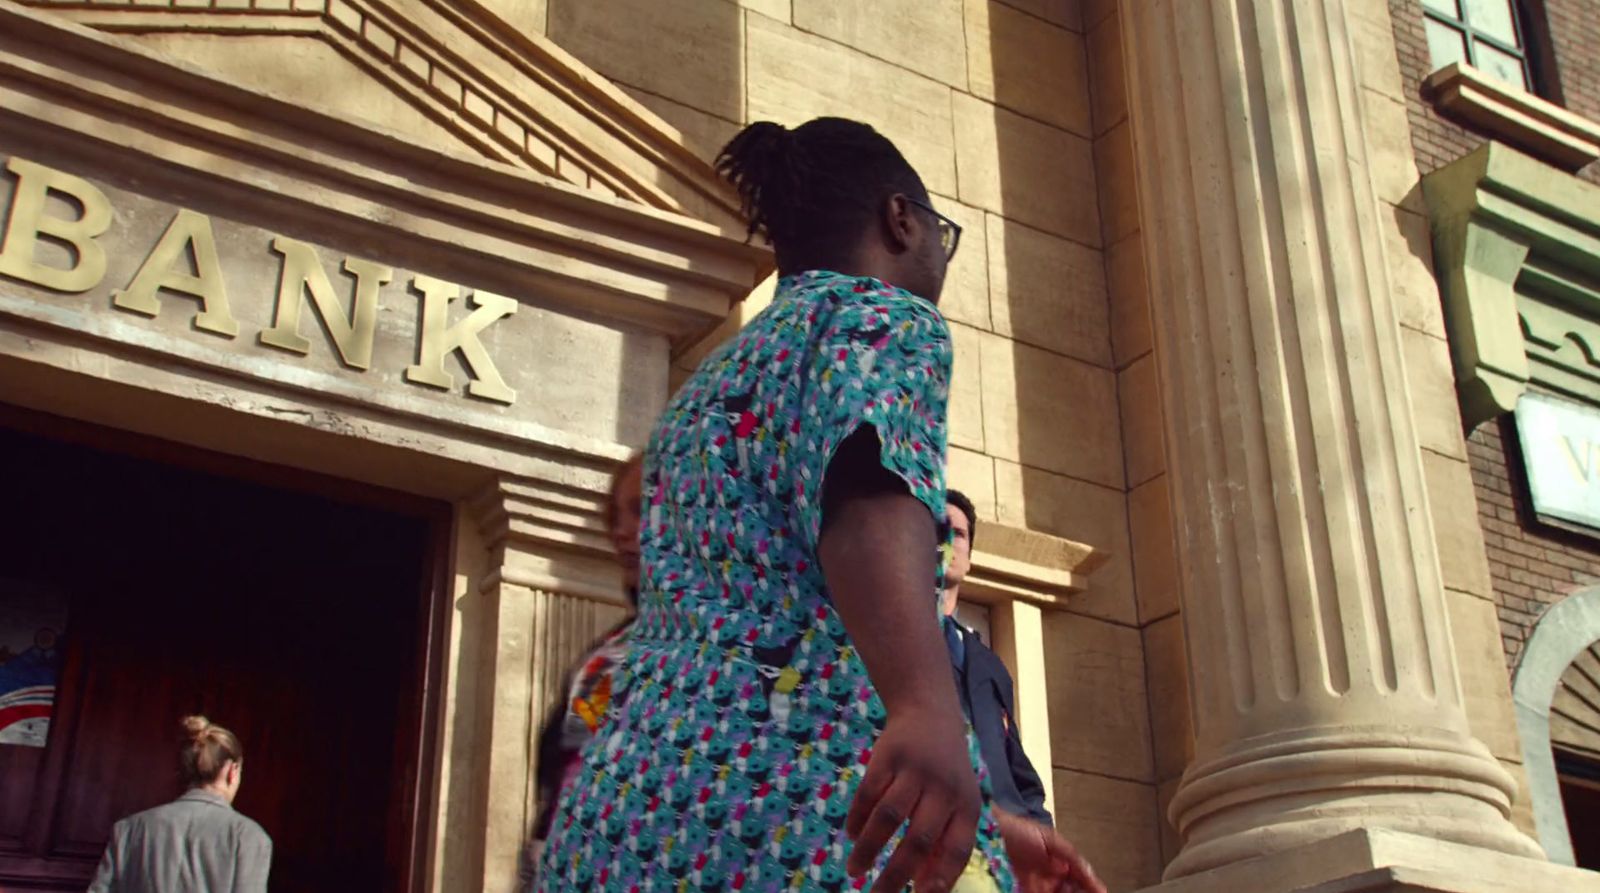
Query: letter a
188,232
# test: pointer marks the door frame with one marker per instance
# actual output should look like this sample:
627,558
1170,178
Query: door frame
408,823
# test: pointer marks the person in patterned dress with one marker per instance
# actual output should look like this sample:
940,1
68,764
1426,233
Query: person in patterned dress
784,718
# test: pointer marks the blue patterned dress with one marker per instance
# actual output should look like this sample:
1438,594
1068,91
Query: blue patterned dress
743,718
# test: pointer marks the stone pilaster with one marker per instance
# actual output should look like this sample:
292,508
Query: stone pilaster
1325,692
550,590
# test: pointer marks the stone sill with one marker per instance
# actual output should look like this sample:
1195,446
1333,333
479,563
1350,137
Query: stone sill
1540,128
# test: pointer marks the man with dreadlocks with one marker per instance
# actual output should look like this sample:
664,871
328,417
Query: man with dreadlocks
788,718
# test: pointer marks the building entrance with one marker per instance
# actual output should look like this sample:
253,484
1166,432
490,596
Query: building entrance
140,582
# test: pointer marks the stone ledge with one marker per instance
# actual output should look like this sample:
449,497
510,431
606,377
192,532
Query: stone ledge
1025,565
1540,128
1375,859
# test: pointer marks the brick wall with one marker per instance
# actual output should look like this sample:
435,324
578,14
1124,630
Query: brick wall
1574,38
1532,566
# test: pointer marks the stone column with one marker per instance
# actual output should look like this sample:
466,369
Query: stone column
1323,678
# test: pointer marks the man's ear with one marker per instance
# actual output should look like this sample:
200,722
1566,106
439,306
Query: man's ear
899,227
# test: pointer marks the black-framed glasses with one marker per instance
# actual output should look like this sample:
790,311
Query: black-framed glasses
949,230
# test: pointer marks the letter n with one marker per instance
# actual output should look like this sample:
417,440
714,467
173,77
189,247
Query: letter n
352,332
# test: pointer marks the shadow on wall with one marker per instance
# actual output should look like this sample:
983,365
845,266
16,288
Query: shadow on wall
1068,402
684,60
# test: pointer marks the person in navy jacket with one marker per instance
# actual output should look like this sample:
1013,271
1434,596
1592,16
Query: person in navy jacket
987,695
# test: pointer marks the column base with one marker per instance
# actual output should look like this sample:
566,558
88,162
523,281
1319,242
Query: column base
1381,861
1285,790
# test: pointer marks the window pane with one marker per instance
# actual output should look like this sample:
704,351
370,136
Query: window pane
1501,66
1493,17
1445,44
1448,7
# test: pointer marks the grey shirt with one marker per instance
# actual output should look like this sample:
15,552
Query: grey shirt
195,844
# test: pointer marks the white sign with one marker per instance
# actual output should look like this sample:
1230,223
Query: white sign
1561,451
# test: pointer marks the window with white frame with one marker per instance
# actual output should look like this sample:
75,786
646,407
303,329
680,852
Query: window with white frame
1486,34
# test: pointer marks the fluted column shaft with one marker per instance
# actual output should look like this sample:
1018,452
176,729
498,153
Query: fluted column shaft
1324,685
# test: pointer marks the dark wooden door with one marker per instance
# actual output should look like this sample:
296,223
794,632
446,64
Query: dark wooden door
294,620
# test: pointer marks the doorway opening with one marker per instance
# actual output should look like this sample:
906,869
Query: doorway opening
156,581
1580,797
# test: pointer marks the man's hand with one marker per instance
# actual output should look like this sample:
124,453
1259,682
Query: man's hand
1044,862
876,548
919,773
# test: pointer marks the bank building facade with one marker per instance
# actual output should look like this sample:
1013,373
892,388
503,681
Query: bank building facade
323,324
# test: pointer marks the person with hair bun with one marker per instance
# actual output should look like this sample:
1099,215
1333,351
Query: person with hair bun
197,843
785,714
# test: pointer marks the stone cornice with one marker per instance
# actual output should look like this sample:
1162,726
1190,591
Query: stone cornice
516,98
1540,128
550,536
510,229
567,516
568,519
1517,253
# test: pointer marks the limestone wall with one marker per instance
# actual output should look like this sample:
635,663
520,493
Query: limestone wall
1015,116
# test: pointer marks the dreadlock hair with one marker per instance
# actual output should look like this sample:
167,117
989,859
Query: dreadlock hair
814,191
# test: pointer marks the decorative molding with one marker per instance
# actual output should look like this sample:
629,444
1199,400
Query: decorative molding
111,90
550,536
567,521
1566,632
515,98
1013,563
1028,567
1517,253
523,511
1514,116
